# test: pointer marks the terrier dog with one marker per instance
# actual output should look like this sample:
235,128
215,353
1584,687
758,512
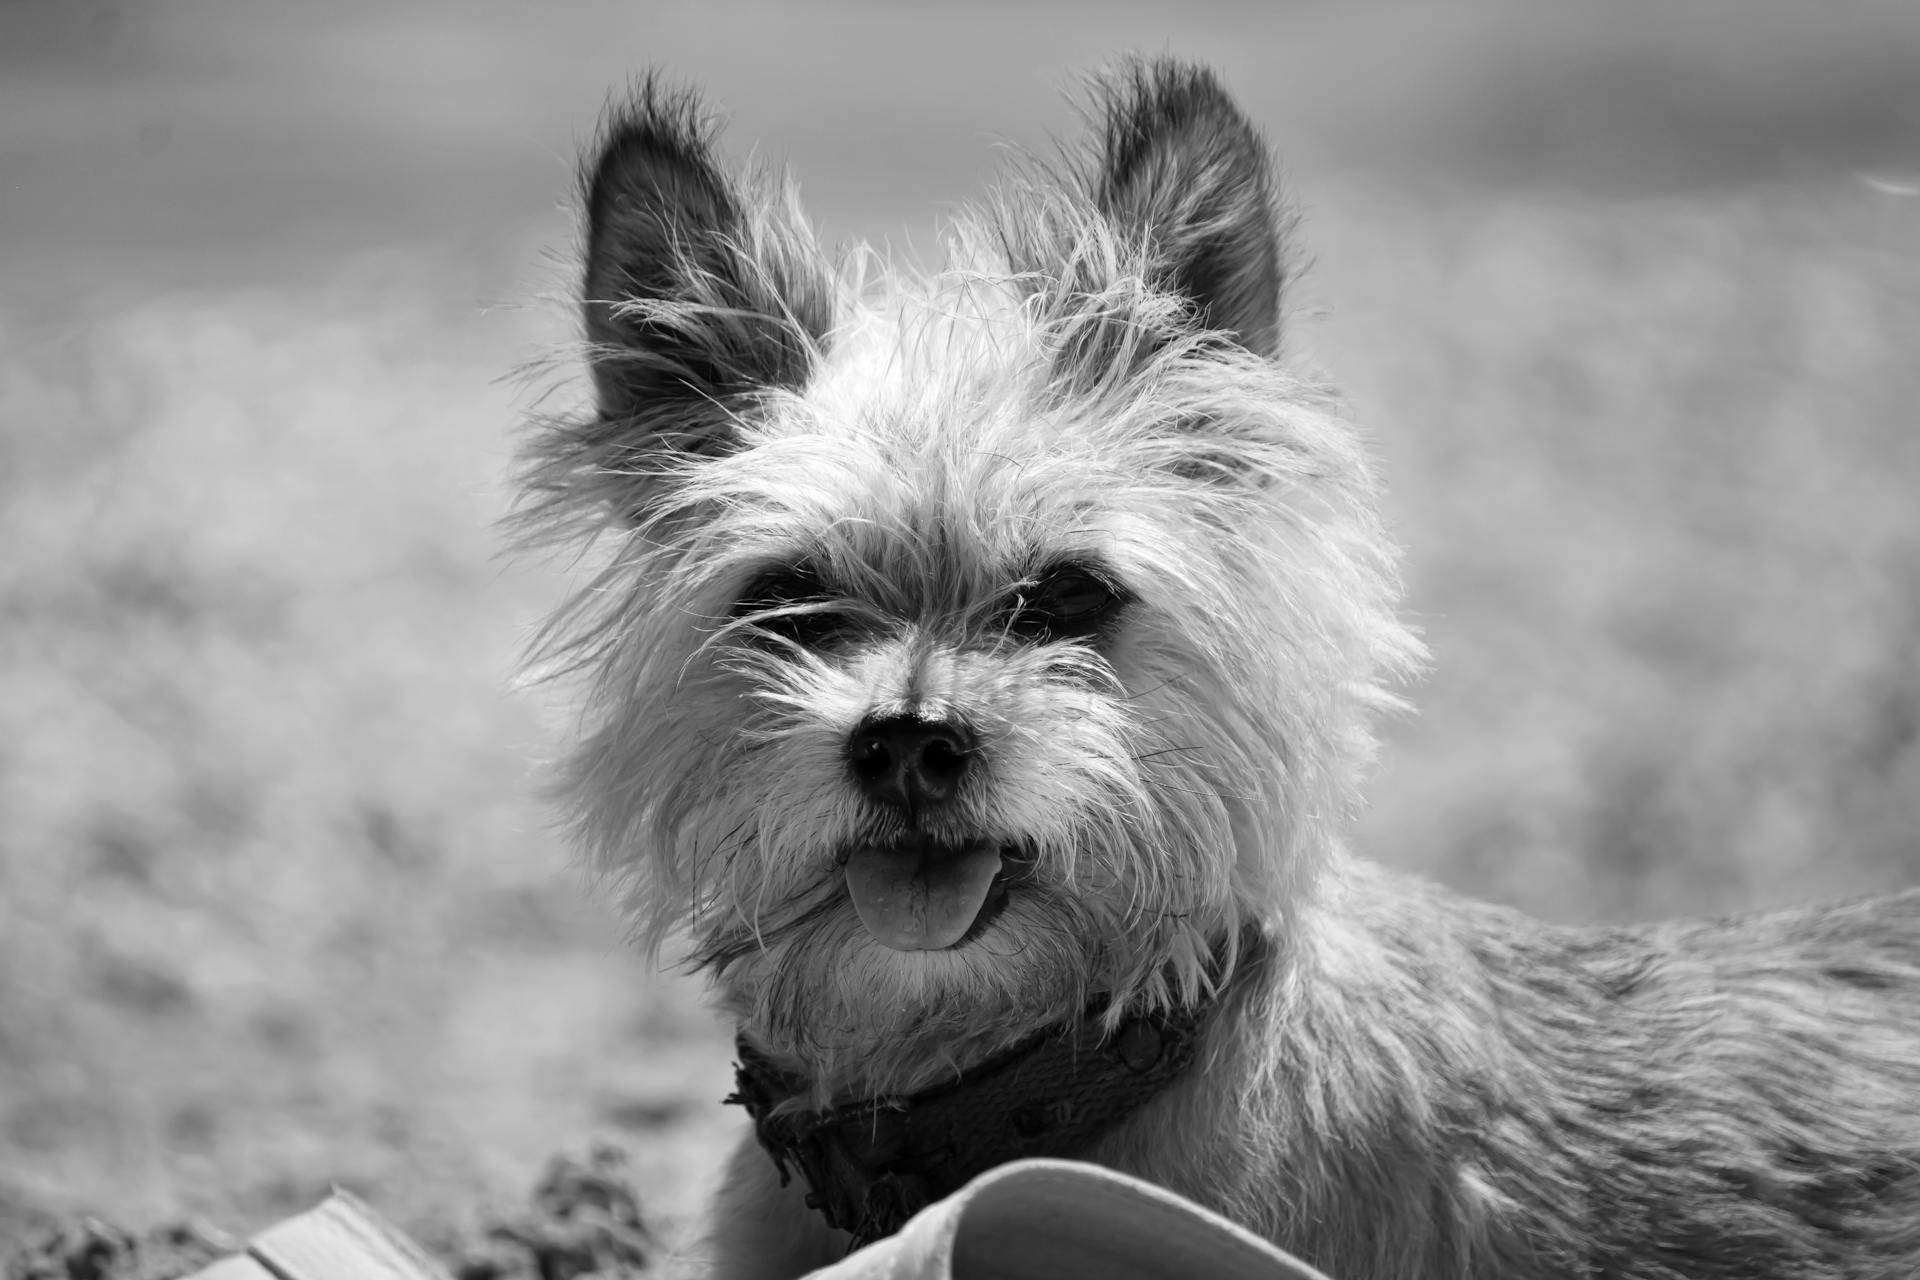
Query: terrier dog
980,685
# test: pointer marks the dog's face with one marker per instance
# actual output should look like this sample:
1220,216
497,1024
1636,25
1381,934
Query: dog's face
971,644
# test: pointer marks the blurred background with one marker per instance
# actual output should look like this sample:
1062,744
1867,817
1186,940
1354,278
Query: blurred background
1627,295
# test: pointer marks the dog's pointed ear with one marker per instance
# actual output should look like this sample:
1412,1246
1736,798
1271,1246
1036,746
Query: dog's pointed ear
696,291
1179,165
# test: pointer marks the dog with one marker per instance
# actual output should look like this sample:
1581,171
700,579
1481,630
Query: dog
980,681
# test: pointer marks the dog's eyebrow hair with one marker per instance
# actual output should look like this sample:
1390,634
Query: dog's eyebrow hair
1092,562
802,569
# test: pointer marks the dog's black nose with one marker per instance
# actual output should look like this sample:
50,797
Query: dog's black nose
909,762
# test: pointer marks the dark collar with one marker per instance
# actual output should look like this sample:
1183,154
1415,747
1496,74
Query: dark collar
870,1166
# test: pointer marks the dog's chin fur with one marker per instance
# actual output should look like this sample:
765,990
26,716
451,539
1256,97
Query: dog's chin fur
859,1019
1063,498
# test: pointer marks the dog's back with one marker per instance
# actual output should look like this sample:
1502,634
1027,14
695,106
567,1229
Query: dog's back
1451,1088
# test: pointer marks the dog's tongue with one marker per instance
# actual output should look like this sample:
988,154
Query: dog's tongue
921,896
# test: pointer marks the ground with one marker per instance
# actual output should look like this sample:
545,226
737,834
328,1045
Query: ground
280,908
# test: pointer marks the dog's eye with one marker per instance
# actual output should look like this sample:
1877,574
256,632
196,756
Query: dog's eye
793,604
1066,603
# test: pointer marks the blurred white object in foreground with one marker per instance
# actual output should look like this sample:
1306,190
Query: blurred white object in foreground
1062,1220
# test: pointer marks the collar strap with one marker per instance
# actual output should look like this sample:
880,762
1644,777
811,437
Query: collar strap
870,1166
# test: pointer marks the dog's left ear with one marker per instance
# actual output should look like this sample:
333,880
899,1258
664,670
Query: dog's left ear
1179,165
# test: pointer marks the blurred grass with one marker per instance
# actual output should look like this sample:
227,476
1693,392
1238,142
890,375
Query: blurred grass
277,908
1658,468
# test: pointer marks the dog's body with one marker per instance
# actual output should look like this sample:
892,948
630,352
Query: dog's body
989,648
1436,1087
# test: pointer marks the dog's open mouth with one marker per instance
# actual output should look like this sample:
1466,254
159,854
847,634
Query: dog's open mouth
920,894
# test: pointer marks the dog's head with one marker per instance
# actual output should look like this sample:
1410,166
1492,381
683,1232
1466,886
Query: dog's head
970,643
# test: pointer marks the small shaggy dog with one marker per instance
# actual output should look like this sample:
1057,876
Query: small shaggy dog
980,688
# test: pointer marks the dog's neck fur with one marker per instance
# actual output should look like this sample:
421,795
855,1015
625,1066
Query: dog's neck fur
1421,1054
821,1081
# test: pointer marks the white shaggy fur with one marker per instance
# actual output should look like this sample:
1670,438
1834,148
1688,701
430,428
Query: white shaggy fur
836,492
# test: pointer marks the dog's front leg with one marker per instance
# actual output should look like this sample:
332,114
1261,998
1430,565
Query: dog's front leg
757,1229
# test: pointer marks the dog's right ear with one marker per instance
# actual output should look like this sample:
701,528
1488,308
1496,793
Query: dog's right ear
1179,164
697,295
